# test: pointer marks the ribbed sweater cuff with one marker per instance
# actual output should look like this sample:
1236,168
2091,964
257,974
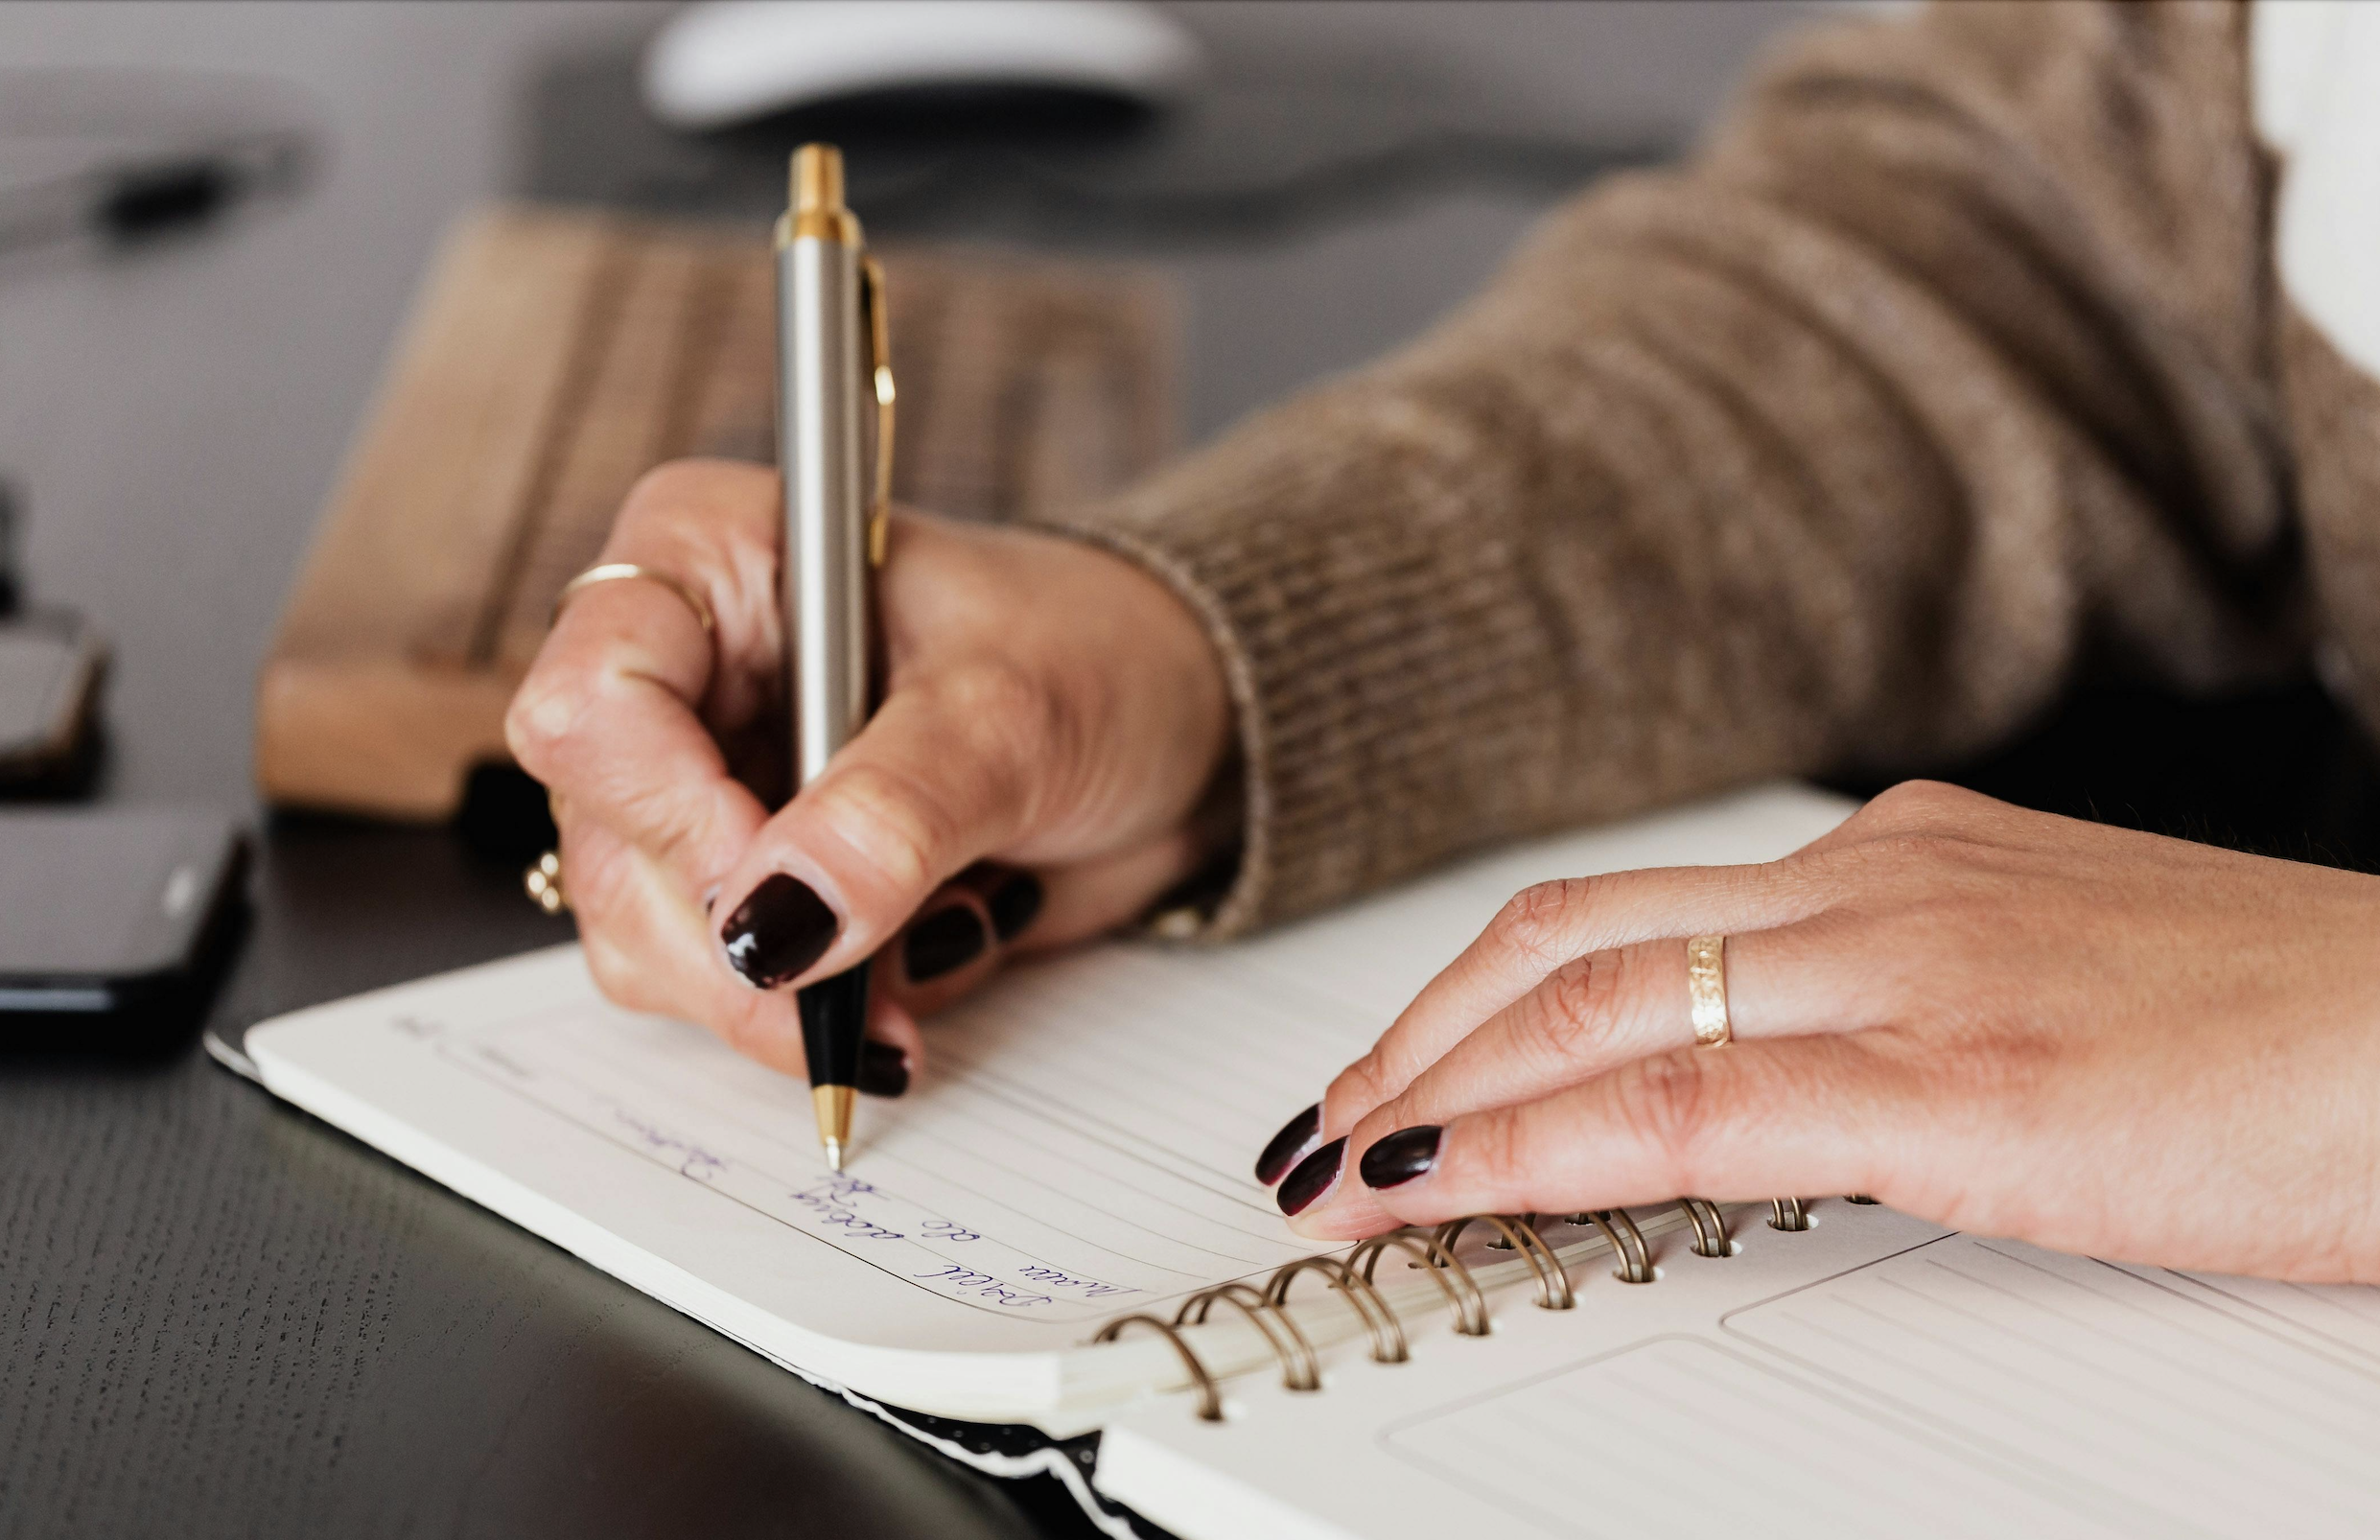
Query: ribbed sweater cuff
1378,661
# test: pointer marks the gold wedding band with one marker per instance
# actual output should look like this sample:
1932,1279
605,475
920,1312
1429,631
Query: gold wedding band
1706,988
620,572
543,882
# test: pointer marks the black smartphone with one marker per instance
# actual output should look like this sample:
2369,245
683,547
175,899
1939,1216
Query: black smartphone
106,913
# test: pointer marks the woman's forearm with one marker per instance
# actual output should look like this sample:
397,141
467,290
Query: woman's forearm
1837,447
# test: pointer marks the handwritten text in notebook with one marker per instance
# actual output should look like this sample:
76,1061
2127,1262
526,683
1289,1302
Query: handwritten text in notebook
1102,1163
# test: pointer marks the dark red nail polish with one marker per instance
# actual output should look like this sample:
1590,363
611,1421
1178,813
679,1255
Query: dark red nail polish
944,941
883,1069
1315,1175
1289,1146
1401,1156
780,929
1015,904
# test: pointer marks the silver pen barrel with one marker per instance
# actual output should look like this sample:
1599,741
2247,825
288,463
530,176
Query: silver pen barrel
824,585
819,411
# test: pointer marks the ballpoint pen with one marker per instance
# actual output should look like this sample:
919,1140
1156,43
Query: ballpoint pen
830,356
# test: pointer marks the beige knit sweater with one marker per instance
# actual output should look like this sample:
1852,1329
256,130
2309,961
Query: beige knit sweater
1953,363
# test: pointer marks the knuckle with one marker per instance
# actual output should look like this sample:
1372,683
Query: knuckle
669,481
541,717
1360,1090
687,512
1567,1016
1888,862
676,488
897,821
1921,801
1534,923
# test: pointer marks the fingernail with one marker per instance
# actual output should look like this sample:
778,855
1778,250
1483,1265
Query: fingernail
943,940
883,1069
1014,903
780,929
1315,1175
1401,1156
1295,1138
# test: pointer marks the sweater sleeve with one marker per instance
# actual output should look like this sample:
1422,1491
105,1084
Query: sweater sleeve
1942,369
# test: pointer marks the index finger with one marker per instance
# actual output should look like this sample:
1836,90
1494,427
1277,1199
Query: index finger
1848,1113
609,715
1541,928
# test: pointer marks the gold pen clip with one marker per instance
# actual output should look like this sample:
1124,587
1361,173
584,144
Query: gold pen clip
881,370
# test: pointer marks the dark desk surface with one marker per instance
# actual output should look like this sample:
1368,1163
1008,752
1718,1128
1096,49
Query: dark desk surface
219,1318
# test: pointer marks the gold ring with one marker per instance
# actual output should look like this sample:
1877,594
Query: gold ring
543,881
618,571
1706,988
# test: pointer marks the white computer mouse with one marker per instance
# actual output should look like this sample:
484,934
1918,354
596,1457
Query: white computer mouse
728,62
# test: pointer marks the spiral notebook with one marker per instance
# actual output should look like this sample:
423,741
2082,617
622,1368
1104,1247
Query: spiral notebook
1052,1255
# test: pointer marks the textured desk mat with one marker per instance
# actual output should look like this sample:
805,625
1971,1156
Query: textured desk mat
552,356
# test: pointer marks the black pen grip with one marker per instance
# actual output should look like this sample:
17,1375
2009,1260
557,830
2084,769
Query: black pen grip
835,1026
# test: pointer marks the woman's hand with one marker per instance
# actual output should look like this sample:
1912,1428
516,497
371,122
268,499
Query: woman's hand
2098,1041
1052,717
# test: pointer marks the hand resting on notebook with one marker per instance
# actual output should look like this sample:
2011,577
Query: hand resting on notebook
2098,1041
1053,718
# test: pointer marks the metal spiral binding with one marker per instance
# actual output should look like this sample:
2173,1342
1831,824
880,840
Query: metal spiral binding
1452,1278
1862,1198
1210,1399
1300,1369
1635,1263
1519,1235
1433,1251
1379,1320
1710,1227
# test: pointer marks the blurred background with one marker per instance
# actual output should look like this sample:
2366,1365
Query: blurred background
219,1318
175,407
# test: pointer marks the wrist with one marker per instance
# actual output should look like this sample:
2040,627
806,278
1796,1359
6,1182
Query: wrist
1170,722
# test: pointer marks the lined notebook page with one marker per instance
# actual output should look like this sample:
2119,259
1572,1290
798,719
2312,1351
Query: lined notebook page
1079,1144
988,1211
1053,1177
1647,1430
2344,1320
2144,1400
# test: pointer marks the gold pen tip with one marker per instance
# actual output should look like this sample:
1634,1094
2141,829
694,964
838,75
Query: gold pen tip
817,180
834,1104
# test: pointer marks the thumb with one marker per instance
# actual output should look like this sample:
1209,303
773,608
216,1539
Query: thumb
946,772
1819,1114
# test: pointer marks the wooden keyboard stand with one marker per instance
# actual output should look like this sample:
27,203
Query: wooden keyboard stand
556,355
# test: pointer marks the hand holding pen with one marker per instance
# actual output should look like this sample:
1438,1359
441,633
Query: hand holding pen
1051,719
